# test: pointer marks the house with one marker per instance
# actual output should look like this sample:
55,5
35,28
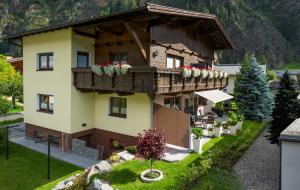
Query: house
232,70
63,97
295,74
17,63
289,143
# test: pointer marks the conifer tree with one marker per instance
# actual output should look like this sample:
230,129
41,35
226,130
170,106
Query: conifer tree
252,91
286,108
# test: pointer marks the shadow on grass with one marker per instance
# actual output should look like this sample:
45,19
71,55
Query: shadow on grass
123,176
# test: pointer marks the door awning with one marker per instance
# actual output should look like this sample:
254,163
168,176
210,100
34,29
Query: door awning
214,95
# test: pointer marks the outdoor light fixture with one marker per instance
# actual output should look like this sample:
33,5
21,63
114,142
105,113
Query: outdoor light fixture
83,125
155,53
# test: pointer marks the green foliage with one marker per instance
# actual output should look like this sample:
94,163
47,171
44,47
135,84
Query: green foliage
286,109
2,139
198,132
5,106
11,83
218,123
219,105
252,92
114,158
131,149
219,155
232,118
271,75
80,182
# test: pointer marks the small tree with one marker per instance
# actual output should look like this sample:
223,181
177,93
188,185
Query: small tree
286,109
11,83
252,91
151,145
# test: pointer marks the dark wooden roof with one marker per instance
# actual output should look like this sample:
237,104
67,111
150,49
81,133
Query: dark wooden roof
157,14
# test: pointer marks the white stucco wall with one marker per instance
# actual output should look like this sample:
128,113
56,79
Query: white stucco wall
57,82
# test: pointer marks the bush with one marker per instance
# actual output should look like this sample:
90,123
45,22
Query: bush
232,118
80,182
114,158
4,106
131,149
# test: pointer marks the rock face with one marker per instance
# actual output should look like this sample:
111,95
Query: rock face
125,155
64,184
102,167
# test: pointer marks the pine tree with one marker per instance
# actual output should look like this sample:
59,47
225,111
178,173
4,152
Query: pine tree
252,91
286,109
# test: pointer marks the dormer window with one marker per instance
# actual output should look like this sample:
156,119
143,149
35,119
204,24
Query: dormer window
119,57
174,61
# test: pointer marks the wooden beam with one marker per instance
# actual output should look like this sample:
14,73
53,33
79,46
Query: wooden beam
99,28
85,34
137,40
135,19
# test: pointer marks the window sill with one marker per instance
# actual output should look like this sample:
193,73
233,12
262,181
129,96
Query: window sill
118,115
44,70
45,111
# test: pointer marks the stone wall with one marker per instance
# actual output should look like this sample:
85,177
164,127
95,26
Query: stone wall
79,147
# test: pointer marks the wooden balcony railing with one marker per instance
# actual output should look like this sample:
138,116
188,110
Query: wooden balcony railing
149,80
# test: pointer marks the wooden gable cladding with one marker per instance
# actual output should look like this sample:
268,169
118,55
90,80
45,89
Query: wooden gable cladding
109,42
171,40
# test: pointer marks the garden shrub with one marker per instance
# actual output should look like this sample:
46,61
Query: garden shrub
4,106
131,149
80,182
114,158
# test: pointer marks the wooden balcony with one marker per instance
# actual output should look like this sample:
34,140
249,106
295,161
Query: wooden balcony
149,80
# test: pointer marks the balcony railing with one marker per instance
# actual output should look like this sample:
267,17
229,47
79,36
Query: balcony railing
149,80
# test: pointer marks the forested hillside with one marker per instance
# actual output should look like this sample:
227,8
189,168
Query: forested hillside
268,28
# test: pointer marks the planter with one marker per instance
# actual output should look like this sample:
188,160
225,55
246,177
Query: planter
225,131
148,180
210,133
217,131
232,130
197,145
239,125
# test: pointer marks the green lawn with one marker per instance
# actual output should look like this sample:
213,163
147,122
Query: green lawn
27,169
211,170
290,66
17,109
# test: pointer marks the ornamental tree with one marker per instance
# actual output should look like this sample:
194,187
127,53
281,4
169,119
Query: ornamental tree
286,109
151,145
252,90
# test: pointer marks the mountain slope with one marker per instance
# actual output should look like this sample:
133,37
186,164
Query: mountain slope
270,29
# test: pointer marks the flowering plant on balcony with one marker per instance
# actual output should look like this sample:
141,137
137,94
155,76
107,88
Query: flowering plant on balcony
221,74
109,69
204,73
216,74
122,69
186,71
210,74
195,72
225,75
97,69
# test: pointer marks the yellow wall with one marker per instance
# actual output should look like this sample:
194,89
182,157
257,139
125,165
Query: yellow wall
72,108
82,103
139,114
57,82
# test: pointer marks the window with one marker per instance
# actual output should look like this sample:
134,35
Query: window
82,59
174,61
118,107
170,102
119,57
46,103
45,61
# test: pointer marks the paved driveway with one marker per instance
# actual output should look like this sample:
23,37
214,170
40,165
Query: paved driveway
258,169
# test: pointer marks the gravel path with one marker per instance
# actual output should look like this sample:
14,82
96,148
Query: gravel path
258,169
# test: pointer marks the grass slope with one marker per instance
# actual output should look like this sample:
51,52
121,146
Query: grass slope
27,169
289,66
212,167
